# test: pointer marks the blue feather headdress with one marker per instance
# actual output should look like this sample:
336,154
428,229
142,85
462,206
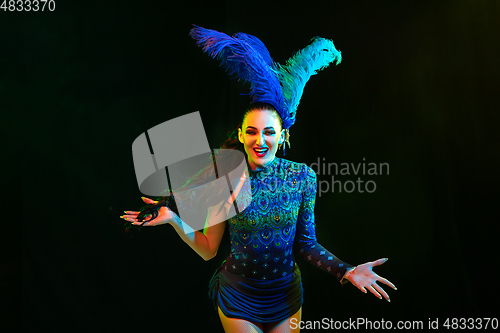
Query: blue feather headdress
247,58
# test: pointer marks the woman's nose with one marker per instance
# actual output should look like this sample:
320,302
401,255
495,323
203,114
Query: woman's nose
260,140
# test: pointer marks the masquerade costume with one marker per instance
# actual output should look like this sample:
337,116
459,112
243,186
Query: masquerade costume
259,281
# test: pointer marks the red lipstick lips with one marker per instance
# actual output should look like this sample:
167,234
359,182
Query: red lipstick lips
260,152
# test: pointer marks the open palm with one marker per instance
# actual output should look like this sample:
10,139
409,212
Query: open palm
364,278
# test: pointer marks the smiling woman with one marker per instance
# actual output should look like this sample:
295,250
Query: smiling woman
261,134
258,288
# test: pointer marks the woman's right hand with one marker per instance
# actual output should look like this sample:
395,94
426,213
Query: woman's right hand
165,215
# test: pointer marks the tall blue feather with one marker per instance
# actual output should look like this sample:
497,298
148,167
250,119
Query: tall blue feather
246,57
299,68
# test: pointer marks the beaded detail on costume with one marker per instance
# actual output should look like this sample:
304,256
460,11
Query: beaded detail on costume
279,218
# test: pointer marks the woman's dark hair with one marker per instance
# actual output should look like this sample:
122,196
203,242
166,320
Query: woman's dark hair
231,141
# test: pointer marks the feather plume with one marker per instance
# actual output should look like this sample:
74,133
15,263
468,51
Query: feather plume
299,68
246,57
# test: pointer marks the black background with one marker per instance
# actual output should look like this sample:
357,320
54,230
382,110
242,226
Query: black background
415,89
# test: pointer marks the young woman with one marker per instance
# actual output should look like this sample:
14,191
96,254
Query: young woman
258,287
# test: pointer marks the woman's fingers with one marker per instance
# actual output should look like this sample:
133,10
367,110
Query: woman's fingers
133,217
360,287
379,262
149,201
381,291
373,291
145,224
387,282
130,215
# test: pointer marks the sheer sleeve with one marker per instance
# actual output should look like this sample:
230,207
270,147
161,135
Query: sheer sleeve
306,244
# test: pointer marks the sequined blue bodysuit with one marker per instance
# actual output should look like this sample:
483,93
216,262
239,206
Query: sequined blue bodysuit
279,218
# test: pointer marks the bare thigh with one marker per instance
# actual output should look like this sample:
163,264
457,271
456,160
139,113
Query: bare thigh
285,326
235,325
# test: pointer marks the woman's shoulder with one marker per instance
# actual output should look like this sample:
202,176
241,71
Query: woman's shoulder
301,169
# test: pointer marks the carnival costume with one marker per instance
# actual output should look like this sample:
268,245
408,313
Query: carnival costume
260,281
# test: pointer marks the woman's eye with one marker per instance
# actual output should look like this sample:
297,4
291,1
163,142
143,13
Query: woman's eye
266,133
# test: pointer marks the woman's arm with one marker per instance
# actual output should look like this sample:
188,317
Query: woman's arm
207,243
204,243
360,276
306,243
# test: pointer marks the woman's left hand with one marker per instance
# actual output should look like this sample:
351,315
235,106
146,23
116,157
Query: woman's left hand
364,278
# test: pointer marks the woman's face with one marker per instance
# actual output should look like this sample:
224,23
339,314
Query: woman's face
260,134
